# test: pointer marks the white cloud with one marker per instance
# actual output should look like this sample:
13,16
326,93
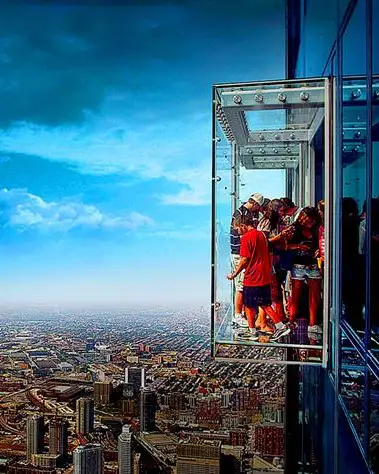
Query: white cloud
110,143
24,210
197,184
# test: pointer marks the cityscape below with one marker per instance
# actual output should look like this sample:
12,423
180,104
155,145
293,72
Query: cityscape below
132,391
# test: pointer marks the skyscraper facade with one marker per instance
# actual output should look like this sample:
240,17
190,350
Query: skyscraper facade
34,435
198,457
338,404
137,463
136,377
58,436
88,459
148,409
85,416
102,392
125,451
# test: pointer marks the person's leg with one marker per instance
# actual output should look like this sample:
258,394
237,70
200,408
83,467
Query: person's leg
314,300
272,314
261,319
238,284
297,287
238,302
250,315
276,296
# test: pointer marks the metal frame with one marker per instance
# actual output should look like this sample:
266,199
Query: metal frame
328,223
213,225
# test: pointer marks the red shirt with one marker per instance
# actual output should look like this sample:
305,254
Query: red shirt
254,246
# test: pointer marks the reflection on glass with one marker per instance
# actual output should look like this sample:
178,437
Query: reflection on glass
374,254
353,386
274,263
374,423
353,203
354,163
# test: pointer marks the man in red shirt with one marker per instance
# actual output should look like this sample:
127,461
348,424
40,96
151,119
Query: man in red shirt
255,260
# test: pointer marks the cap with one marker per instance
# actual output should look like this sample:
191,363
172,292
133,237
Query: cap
258,198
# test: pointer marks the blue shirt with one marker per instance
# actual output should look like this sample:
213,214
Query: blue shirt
235,238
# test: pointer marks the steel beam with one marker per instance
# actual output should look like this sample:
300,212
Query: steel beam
280,98
278,136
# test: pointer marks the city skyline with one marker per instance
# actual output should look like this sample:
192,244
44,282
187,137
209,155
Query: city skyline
105,145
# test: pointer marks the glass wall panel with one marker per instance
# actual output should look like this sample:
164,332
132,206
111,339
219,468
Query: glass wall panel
275,128
223,208
374,423
353,370
318,47
354,102
374,221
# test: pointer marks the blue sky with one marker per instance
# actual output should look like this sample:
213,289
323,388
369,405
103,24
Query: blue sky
105,143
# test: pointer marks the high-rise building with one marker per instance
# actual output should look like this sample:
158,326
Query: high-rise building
136,463
102,392
58,436
125,451
85,415
136,377
35,431
198,456
88,459
148,409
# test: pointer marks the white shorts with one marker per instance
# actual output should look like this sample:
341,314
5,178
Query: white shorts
238,281
306,272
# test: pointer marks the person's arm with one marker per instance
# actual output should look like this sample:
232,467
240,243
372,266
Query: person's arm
283,238
242,265
245,253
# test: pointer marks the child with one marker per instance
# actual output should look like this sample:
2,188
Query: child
255,260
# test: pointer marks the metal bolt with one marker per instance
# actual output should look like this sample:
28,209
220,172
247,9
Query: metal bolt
357,134
356,94
262,150
250,151
261,136
277,136
288,150
218,178
282,97
237,99
258,98
376,94
292,136
275,150
218,139
304,96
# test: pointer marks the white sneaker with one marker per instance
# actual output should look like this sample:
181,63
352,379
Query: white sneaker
240,322
248,335
315,329
284,331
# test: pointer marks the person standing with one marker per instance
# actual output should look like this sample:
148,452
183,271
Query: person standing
256,262
250,208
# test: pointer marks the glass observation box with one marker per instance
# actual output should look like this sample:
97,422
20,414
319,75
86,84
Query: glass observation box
272,140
